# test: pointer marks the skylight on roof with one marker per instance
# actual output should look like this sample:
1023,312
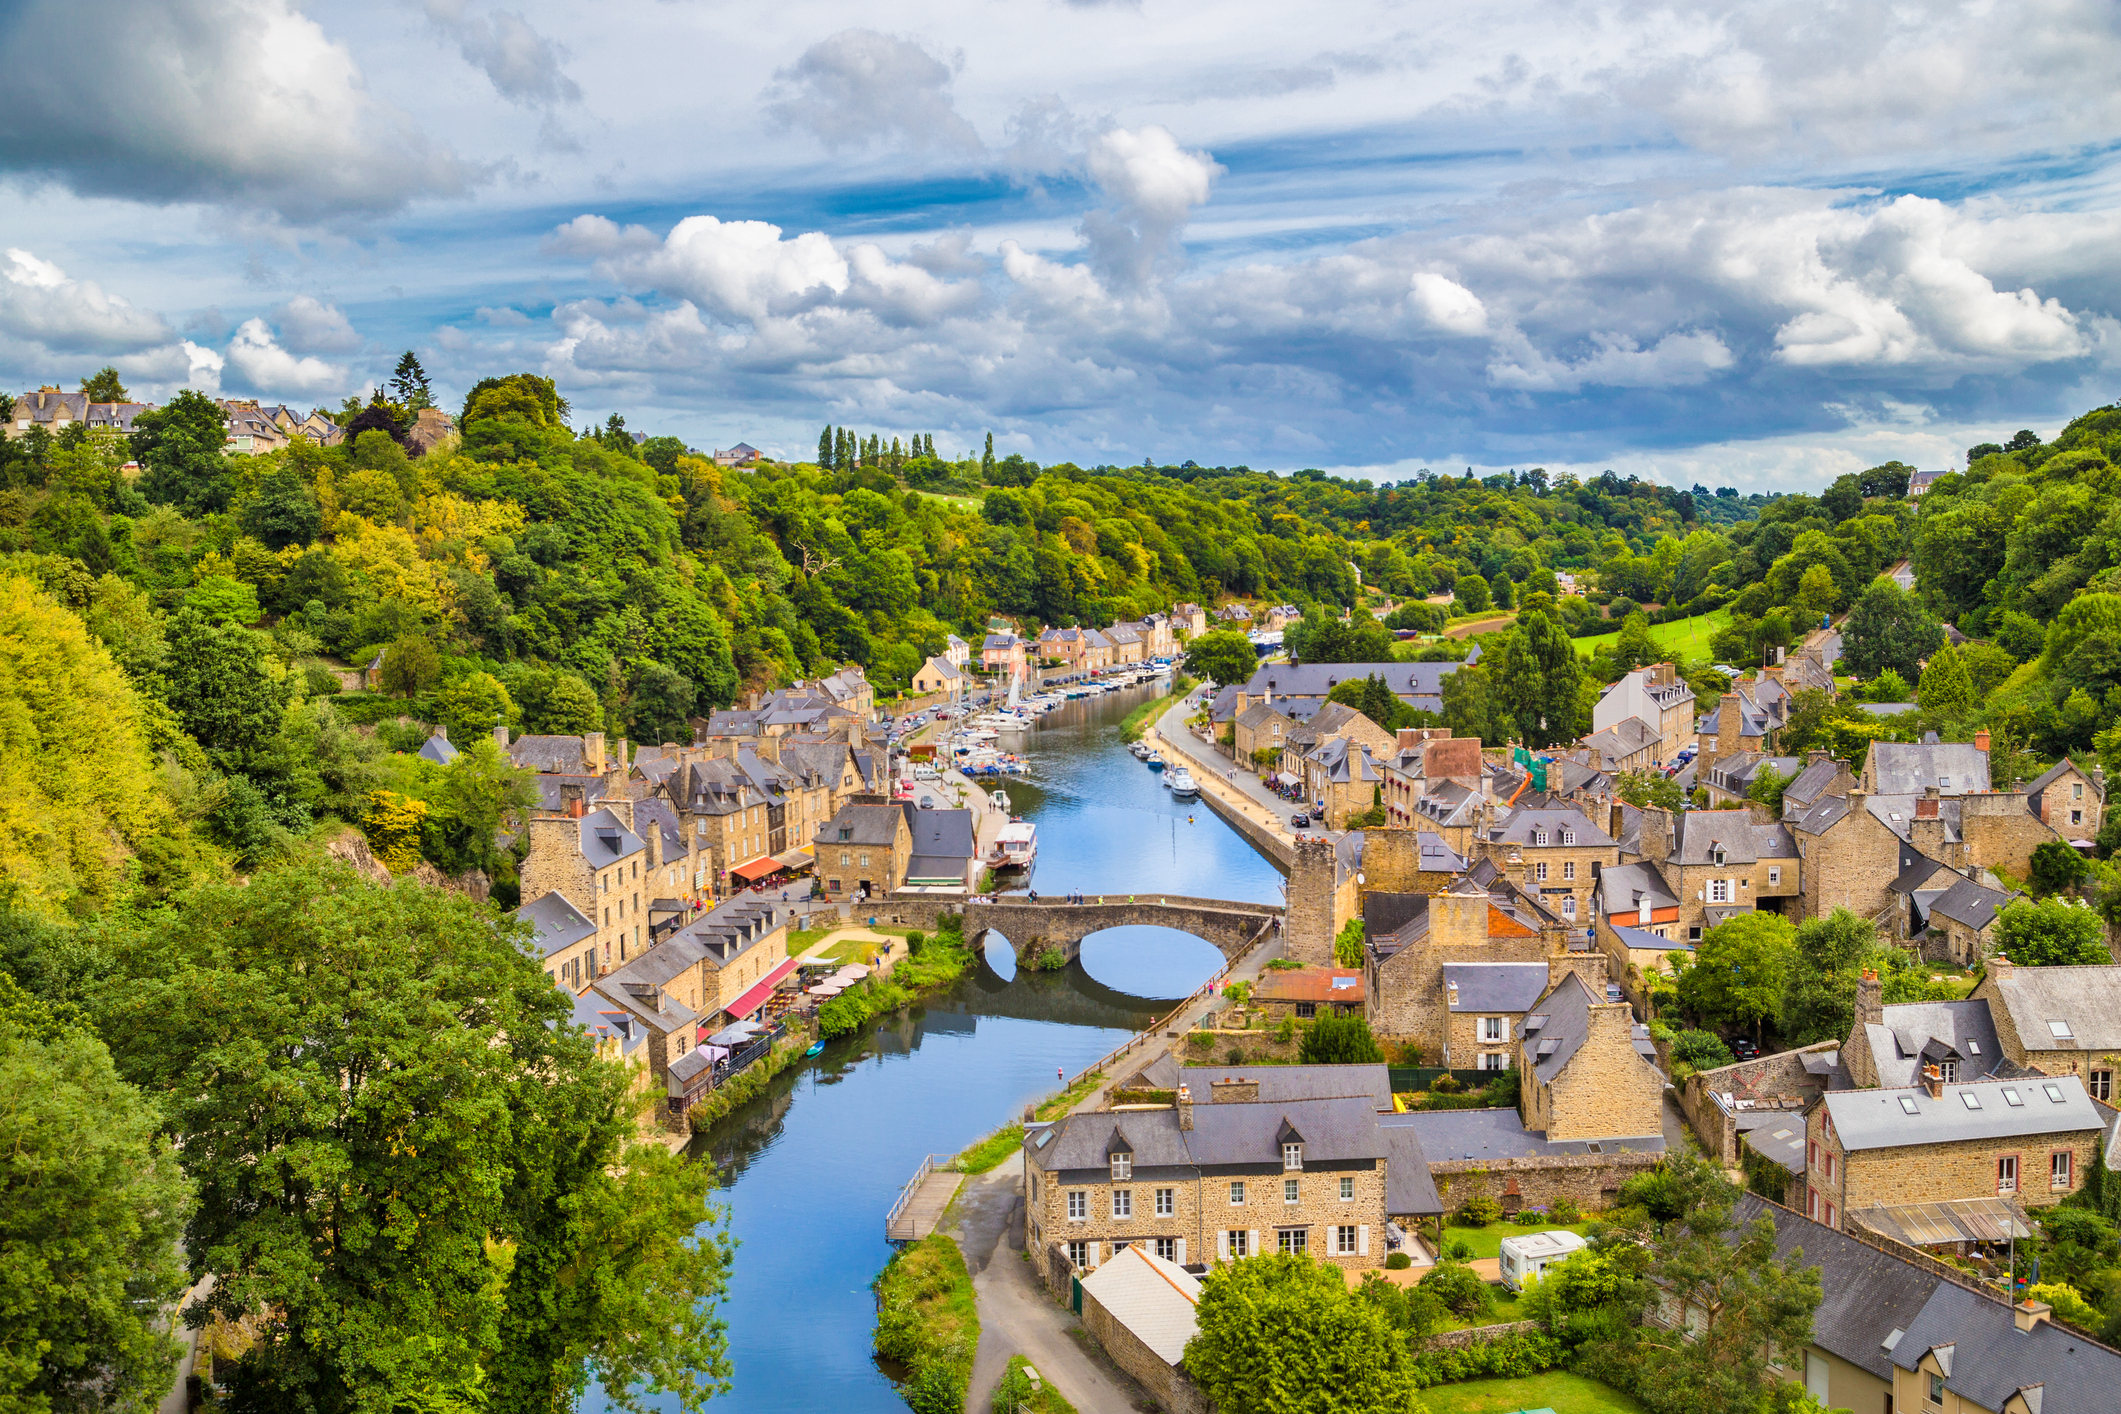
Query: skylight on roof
1972,1101
2060,1030
2011,1098
1907,1103
1339,982
1973,1048
2054,1092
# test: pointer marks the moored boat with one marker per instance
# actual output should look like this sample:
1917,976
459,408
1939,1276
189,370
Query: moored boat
1156,761
1181,783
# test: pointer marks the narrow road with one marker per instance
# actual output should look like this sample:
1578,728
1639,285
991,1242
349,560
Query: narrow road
1017,1316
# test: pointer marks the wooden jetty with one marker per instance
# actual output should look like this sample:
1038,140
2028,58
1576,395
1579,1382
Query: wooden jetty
921,1202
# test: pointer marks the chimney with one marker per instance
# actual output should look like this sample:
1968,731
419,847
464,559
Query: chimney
622,758
442,732
1981,745
1597,759
1870,999
2000,968
593,752
1656,833
2029,1313
1729,723
571,800
1185,1107
1926,808
1619,820
500,735
1933,1081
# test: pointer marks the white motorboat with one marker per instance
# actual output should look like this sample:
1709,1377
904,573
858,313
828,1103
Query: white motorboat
1181,783
1016,846
1000,800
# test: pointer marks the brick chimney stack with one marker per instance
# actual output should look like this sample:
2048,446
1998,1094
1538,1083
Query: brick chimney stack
1870,1000
1981,741
1933,1081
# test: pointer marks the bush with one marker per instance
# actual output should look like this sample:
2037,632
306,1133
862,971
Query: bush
1564,1211
1200,1041
1511,1357
915,941
1459,1288
1457,1250
1477,1211
1340,1040
1445,1085
1234,1056
1703,1050
1398,1262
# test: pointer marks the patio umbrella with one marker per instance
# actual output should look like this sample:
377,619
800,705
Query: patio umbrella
853,969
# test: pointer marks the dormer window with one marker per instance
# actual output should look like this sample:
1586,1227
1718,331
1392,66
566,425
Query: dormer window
1539,837
1719,854
1292,1156
1568,837
1122,1167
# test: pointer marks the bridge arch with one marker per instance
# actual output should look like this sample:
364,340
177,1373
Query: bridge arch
1033,928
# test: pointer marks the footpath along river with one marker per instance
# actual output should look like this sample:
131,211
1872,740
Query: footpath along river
810,1168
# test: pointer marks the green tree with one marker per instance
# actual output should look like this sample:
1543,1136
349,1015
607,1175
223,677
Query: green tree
475,802
1756,1310
221,688
283,512
1946,690
1536,679
1348,945
89,1218
405,1151
181,450
472,706
1888,629
1767,787
1469,707
219,597
1646,787
1284,1335
1634,647
1340,1040
1703,1050
411,666
557,703
1222,656
409,387
1816,594
103,386
1819,998
1740,970
2051,933
1888,686
2056,868
1470,595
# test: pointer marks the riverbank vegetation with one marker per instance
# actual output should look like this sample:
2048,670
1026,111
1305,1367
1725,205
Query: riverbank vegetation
1137,722
983,1155
927,1323
932,963
1022,1388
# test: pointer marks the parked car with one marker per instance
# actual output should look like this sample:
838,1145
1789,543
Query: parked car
1744,1049
1299,822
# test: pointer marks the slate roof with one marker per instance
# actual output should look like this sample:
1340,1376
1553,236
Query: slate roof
1698,834
1228,1135
1225,704
655,813
559,755
1879,1119
1346,761
2086,999
1809,783
1909,768
866,824
1644,938
605,838
1495,986
557,925
1624,738
1992,1359
1448,1135
1519,827
1258,715
438,749
1410,1189
1972,904
1622,888
1418,684
1568,1022
1866,1294
1278,1084
1917,1033
1436,856
1448,803
1781,1143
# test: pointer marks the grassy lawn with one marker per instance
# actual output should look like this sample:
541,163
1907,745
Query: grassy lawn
1487,1241
1043,1400
1689,638
1503,1309
1557,1390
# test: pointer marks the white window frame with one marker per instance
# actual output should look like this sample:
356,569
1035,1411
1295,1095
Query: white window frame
1347,1189
1237,1193
1568,906
1719,891
1293,1241
1079,1254
1289,1193
1078,1205
1166,1202
1122,1203
1774,876
1122,1167
1539,872
2061,1168
1292,1158
2006,1174
1568,870
1568,837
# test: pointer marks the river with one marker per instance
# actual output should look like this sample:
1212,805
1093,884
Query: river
809,1170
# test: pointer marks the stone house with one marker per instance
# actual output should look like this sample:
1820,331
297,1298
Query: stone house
1129,642
863,851
1848,856
1630,744
597,864
1656,697
1456,814
1258,728
1097,651
1423,758
2057,1020
1062,646
563,938
1220,1181
1960,924
1419,685
1955,768
1234,614
1340,780
1556,853
1190,620
1161,636
943,853
1637,922
1587,1072
938,677
2028,1140
1740,721
1724,861
2069,800
1487,1003
1729,779
1890,1046
1002,653
1307,992
1141,1309
748,808
1404,861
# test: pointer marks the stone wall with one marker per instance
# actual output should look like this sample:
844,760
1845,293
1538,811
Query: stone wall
1606,1090
1591,1181
1313,882
1778,1076
1391,862
1167,1384
1477,1335
2001,831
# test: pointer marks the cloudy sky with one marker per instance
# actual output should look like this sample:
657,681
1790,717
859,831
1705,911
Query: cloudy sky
1751,244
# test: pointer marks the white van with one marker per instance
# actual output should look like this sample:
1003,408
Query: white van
1533,1253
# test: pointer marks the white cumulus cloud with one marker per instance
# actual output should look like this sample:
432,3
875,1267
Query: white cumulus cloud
41,304
267,368
308,325
860,87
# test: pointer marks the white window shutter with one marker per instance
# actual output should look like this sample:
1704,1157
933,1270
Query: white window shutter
1222,1246
1182,1251
1093,1256
1252,1243
1506,1028
1362,1240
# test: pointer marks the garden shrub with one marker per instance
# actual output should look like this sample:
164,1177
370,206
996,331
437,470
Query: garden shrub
1459,1288
1477,1211
1446,1085
1200,1041
1564,1211
1398,1262
1508,1357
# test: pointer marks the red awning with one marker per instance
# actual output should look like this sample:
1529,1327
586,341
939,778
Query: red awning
757,869
752,1000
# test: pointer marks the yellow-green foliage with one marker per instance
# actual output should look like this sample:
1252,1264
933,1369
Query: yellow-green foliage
927,1320
393,828
80,792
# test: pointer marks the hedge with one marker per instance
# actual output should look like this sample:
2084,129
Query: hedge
1511,1356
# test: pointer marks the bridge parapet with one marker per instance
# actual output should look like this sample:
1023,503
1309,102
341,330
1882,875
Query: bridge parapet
1032,928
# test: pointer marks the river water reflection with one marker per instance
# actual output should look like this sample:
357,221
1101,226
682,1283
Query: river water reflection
810,1169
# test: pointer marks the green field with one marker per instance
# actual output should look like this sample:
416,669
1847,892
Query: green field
1487,1241
1557,1390
1688,638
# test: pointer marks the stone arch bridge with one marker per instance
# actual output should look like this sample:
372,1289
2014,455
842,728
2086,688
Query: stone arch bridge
1031,928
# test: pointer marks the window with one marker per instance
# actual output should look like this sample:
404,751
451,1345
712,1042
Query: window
1167,1248
1494,1060
1717,857
1568,906
2060,1031
832,885
1494,1028
1568,837
1078,1206
1970,1099
1295,1241
2007,1174
1079,1254
1288,1190
1347,1190
1292,1156
1166,1201
1240,1243
2011,1098
2076,791
2058,1168
1719,891
1539,837
1122,1167
2102,1085
1937,1390
2076,817
1122,1202
1827,1160
1811,1153
1774,876
1539,871
1237,1191
1344,1240
2053,1093
1568,869
1908,1105
865,861
1306,1009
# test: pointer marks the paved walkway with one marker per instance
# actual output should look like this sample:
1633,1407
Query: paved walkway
1216,771
1017,1316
